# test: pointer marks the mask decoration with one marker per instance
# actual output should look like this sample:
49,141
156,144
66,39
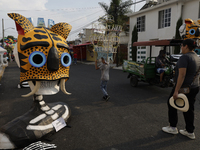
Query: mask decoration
44,63
190,29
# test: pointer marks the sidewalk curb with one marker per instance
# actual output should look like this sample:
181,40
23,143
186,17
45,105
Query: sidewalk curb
2,72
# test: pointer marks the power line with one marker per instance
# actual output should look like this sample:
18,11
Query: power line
137,2
77,30
61,9
81,27
86,16
62,14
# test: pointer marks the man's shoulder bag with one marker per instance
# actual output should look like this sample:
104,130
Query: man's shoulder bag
185,89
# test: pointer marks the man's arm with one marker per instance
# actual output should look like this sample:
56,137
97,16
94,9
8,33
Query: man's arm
168,62
159,62
96,67
181,77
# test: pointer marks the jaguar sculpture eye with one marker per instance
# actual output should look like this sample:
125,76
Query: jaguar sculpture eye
192,31
66,59
37,59
44,62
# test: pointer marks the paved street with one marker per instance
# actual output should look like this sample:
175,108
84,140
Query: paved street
131,120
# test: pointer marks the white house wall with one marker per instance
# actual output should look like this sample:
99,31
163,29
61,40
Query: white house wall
190,10
123,38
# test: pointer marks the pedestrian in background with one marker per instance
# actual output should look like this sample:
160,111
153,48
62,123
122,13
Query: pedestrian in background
161,63
186,69
71,54
75,57
104,67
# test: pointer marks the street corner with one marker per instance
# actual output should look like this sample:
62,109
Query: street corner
117,67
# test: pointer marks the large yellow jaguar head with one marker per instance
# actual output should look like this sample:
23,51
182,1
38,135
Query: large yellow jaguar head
190,29
43,54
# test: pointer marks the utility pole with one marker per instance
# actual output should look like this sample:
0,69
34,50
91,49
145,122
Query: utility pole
135,6
3,32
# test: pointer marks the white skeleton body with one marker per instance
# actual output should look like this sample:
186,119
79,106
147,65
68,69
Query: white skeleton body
52,88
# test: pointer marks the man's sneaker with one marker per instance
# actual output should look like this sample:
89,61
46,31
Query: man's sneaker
104,97
161,84
107,98
190,135
169,129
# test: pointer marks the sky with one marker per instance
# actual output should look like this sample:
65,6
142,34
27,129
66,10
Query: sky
78,13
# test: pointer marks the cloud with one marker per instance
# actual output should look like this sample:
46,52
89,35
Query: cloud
77,13
23,7
23,4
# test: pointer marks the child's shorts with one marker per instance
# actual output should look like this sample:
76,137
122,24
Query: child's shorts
161,70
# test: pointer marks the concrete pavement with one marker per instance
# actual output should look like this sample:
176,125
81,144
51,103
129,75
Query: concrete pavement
131,120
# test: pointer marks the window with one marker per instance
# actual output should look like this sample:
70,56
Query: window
130,52
141,53
141,24
164,19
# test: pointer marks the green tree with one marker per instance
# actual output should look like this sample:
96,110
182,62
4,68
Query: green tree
177,35
10,37
134,39
8,48
119,10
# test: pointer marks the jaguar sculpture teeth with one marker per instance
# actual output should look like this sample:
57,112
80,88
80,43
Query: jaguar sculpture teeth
44,63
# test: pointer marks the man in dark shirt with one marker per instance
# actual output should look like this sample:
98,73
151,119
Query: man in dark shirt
185,75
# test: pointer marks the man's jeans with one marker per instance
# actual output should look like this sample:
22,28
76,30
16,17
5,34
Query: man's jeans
75,60
103,87
189,115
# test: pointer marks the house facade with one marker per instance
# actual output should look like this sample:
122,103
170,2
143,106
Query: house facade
159,22
85,49
91,55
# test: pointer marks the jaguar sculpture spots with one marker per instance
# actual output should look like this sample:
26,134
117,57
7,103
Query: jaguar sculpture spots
44,63
190,29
